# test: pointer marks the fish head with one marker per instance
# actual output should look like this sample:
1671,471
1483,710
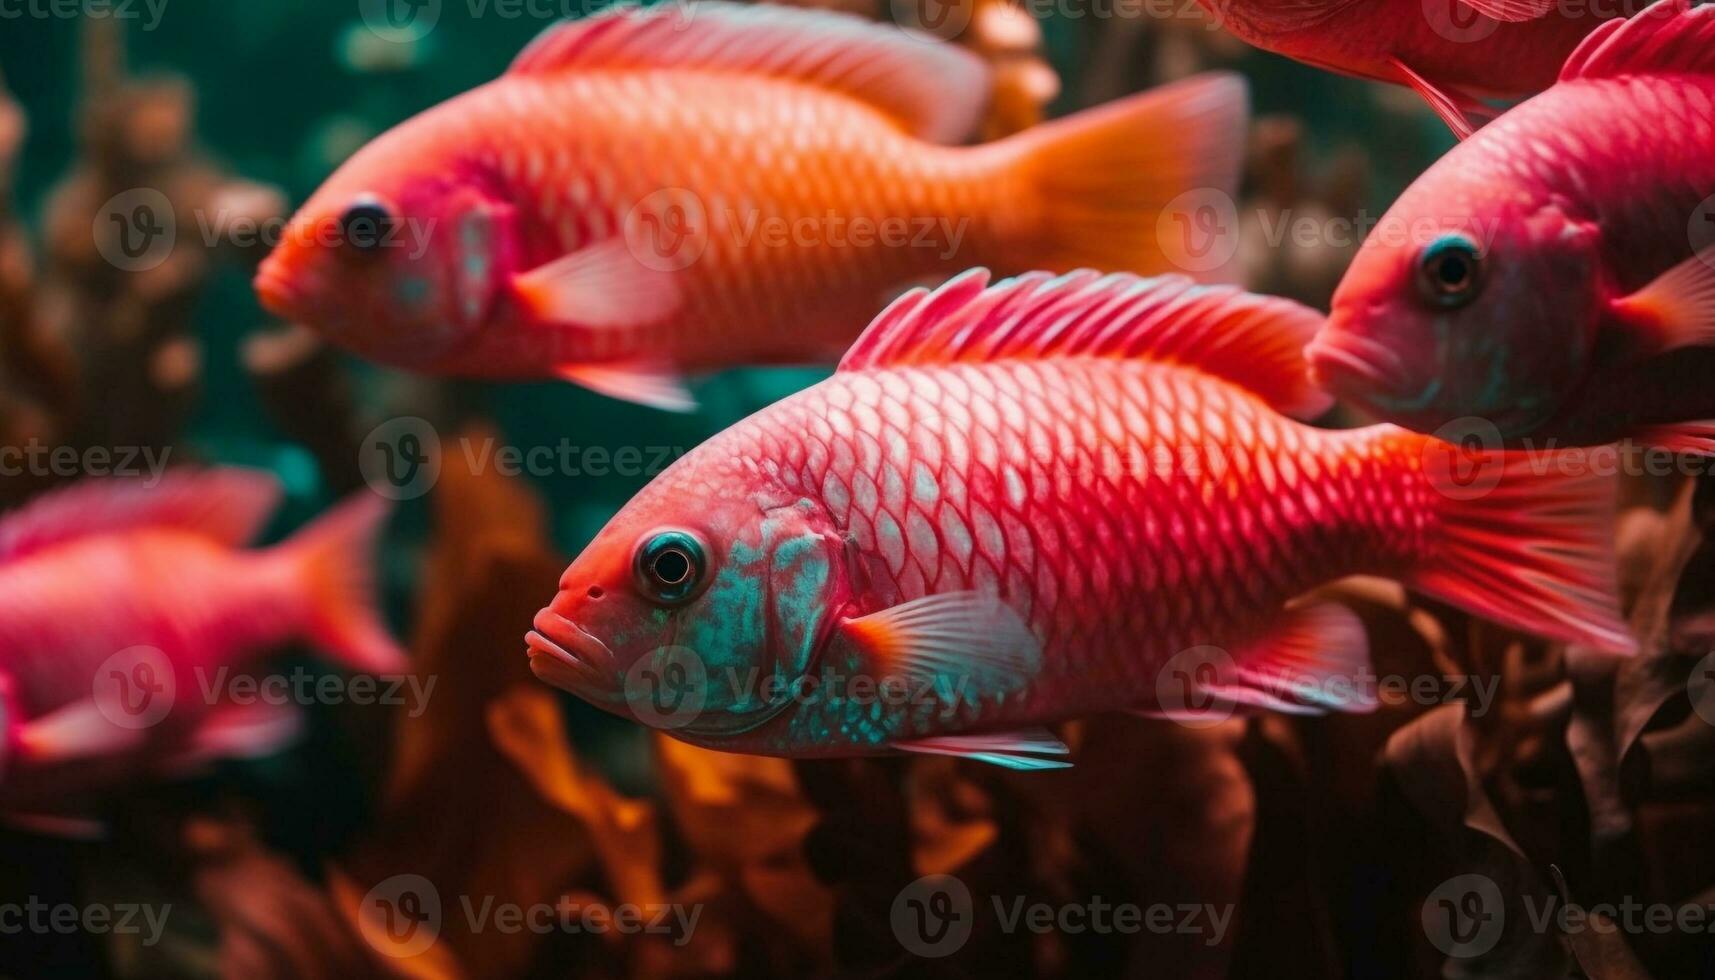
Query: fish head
399,257
686,612
1441,318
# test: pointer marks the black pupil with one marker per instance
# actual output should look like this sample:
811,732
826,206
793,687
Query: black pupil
1455,270
671,567
365,225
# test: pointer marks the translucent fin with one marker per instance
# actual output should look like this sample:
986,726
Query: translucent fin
1671,37
1022,749
228,505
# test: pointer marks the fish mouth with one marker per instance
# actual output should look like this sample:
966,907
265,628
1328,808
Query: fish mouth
566,657
1354,366
274,290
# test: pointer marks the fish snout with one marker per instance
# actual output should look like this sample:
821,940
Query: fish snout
564,655
275,291
1355,367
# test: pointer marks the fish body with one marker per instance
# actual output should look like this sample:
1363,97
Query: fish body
1030,500
1581,300
120,605
648,193
1453,52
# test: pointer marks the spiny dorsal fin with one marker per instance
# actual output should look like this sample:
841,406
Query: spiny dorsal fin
228,505
1669,38
1256,342
934,90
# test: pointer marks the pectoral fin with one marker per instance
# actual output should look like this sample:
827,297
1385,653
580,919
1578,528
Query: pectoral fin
79,730
962,645
603,286
633,381
1021,749
1462,113
1678,308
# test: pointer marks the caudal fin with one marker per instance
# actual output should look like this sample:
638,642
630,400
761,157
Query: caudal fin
1119,188
1526,540
333,559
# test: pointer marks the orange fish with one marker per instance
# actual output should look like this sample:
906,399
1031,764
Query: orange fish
1027,502
652,192
120,602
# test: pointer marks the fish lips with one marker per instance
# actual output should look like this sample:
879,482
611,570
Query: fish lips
566,657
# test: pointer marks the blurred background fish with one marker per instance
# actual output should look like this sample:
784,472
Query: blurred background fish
1554,276
1455,53
1020,503
121,606
650,192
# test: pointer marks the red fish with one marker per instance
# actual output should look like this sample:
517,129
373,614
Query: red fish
119,603
1560,282
653,192
1030,502
1455,53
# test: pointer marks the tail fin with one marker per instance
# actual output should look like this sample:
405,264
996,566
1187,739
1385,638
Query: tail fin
333,559
1526,540
1110,180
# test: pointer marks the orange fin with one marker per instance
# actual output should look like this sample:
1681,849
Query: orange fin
229,505
1462,113
238,731
1256,342
80,730
1690,438
1022,750
335,557
1678,308
934,90
603,286
1523,541
1511,11
633,381
1112,183
961,645
1669,37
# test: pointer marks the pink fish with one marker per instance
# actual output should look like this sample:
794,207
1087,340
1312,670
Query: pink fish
650,193
1024,503
1454,53
1559,277
119,605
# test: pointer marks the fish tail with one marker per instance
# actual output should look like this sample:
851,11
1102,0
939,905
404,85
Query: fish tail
333,561
1525,539
1105,180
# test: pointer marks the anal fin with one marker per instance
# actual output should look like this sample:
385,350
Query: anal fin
1690,438
1025,749
1464,114
633,381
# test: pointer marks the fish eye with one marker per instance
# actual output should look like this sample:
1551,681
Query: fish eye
365,223
670,565
1450,272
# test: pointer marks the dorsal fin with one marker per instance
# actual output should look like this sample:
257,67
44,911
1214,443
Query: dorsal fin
1670,37
228,505
935,90
1256,342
